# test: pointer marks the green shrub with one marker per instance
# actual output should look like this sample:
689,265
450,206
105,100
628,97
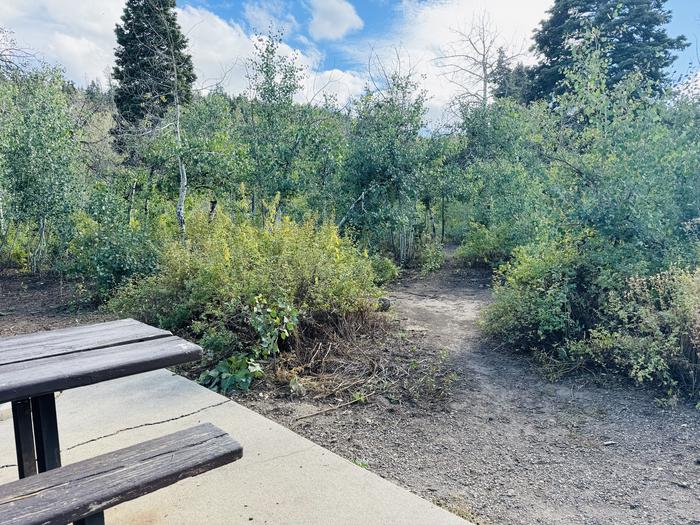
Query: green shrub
651,331
432,257
14,247
384,269
535,295
570,300
273,324
485,246
233,373
240,288
105,254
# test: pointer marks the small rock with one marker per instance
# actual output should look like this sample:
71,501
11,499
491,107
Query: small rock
384,403
383,304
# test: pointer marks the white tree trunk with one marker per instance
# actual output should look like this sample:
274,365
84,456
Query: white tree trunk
3,226
182,196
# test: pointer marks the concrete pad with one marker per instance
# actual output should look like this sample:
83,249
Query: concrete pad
283,478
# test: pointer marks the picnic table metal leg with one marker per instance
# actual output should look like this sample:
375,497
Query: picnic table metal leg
48,451
24,437
95,519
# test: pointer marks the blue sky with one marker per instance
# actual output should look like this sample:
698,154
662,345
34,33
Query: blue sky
686,21
377,14
333,39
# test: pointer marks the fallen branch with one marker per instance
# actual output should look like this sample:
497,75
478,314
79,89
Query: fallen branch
331,409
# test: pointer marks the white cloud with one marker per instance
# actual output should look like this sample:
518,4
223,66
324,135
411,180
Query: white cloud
343,85
424,27
219,48
83,45
269,14
333,19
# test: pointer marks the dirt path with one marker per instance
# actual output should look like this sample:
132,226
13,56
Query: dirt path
510,446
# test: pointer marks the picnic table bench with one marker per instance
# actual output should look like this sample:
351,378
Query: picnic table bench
35,366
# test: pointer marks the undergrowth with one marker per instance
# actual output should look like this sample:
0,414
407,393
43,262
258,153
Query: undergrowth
245,292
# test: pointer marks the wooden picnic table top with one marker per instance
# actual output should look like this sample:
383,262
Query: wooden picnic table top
45,362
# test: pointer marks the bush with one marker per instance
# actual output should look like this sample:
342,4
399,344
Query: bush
535,295
240,288
569,300
107,248
106,255
432,257
384,269
651,332
485,246
14,248
613,192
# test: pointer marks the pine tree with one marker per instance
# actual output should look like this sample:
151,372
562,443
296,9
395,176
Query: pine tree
633,30
153,68
509,82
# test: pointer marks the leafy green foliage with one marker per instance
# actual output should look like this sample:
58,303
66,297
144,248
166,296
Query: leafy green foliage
242,288
107,249
41,168
273,323
651,332
432,257
590,285
486,246
385,161
233,373
384,269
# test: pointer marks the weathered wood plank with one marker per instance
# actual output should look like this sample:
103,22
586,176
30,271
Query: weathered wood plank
75,491
51,374
77,339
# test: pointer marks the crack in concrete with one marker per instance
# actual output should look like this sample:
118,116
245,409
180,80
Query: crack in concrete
142,425
149,424
284,456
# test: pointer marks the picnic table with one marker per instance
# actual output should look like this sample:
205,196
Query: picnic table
34,367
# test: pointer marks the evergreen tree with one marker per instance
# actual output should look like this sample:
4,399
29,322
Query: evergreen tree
153,68
510,82
633,31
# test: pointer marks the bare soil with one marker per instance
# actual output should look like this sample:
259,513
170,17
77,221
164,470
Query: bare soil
29,303
506,446
510,446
